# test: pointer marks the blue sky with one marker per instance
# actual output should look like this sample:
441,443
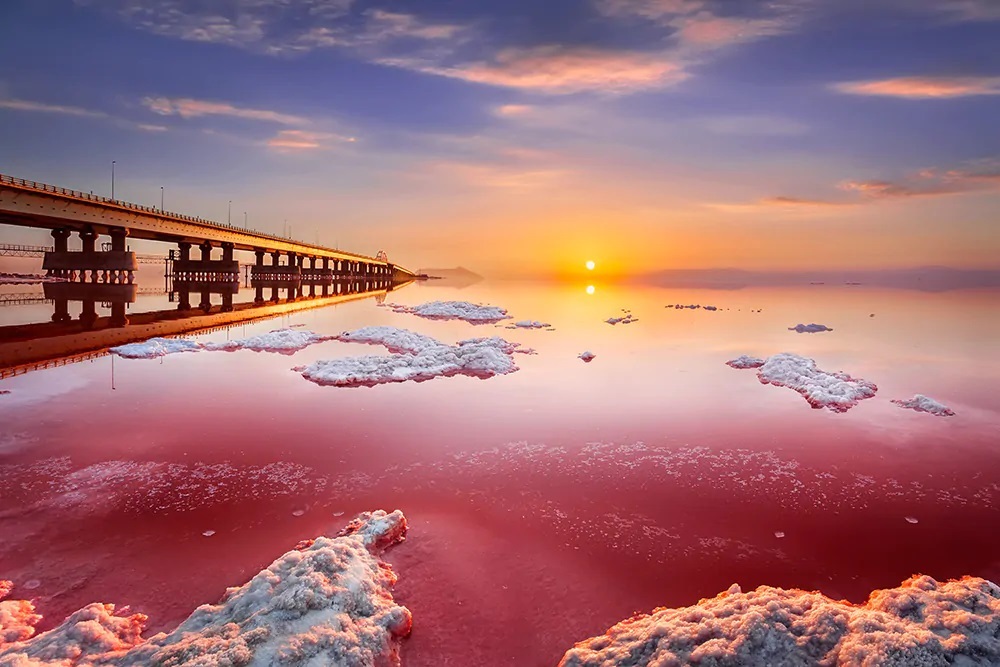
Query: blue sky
728,132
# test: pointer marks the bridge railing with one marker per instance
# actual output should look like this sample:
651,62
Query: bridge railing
76,194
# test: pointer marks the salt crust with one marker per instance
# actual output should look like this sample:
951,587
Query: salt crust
922,623
327,602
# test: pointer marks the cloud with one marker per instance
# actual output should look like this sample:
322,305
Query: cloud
301,140
30,106
700,25
982,176
513,110
923,87
190,108
684,32
42,107
561,70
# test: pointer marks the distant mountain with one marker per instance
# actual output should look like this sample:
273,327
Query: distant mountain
923,278
456,277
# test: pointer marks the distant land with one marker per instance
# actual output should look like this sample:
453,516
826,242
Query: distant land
456,277
923,278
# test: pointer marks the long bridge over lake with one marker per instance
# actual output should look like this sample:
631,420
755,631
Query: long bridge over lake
31,204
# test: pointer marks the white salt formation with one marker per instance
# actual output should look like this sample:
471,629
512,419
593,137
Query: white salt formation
920,623
529,324
810,328
473,313
328,602
155,347
744,361
415,357
282,341
587,356
922,403
627,318
838,392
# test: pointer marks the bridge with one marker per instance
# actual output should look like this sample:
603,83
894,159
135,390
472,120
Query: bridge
15,250
31,204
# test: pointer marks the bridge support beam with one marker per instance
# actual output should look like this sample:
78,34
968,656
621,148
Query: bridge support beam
185,251
109,265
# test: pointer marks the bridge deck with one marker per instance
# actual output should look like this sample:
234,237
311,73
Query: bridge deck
31,204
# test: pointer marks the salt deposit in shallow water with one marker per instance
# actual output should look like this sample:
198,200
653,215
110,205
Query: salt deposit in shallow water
912,519
156,347
627,318
416,357
587,356
922,622
282,341
810,328
473,313
328,602
529,324
744,361
922,403
838,392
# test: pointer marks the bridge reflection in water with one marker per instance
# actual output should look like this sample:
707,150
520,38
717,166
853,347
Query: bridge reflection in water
28,347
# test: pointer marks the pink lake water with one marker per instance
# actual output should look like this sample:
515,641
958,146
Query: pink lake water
544,505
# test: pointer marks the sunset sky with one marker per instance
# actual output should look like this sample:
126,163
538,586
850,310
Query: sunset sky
521,137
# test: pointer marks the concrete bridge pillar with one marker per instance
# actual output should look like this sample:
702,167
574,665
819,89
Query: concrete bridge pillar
61,313
227,302
88,315
118,237
260,257
275,258
88,238
227,252
258,297
60,240
326,263
183,300
184,251
206,251
118,317
206,300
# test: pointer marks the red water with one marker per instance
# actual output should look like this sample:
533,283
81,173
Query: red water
516,551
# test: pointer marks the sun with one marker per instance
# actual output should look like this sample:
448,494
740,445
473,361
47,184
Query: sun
591,265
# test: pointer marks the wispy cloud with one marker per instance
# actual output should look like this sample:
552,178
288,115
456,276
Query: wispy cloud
681,33
30,106
42,107
301,140
560,70
191,108
982,176
710,24
923,87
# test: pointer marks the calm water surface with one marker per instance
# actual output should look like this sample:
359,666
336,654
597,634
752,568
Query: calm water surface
544,505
